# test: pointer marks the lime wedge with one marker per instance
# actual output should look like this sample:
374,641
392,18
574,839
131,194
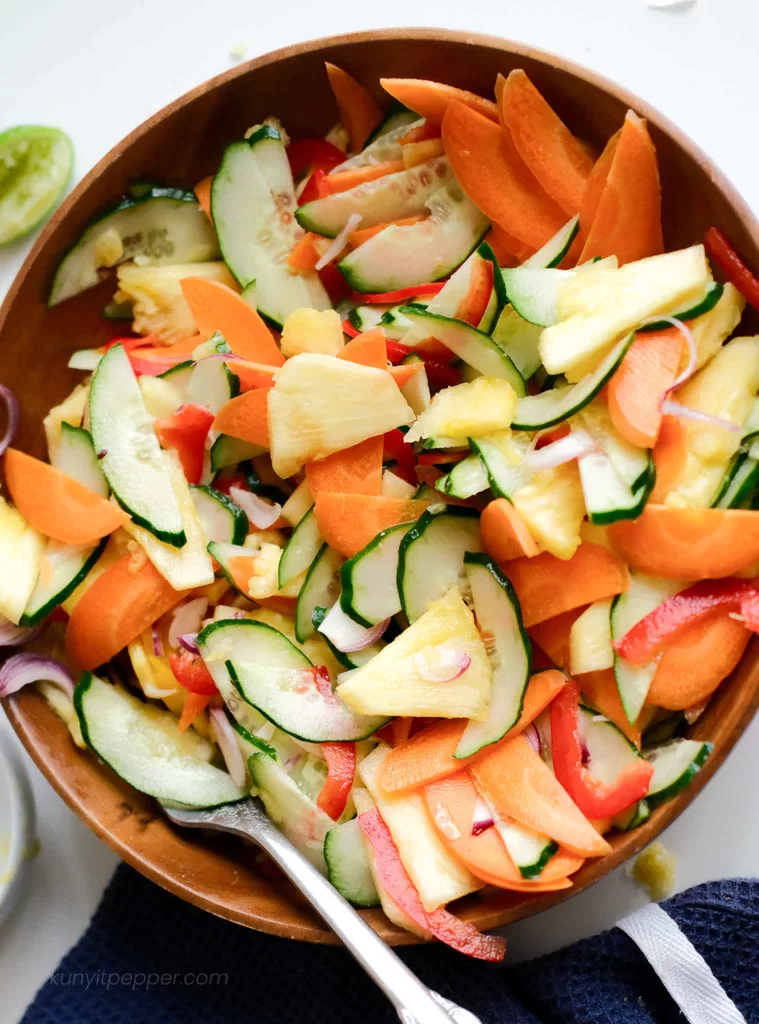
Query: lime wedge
35,167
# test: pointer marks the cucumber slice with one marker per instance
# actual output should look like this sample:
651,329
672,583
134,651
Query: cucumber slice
369,580
386,199
133,462
400,257
676,763
465,479
179,376
319,590
609,749
529,850
223,553
519,340
163,226
212,384
536,412
473,346
608,497
382,145
532,292
740,482
507,467
556,248
365,318
705,305
77,458
35,167
632,464
639,813
248,742
496,606
263,481
395,325
118,311
66,567
143,744
301,549
431,556
229,451
252,200
275,678
348,866
223,521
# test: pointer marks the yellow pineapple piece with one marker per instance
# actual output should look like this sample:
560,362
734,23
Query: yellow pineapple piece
483,406
160,396
710,330
21,549
553,507
397,680
308,330
71,411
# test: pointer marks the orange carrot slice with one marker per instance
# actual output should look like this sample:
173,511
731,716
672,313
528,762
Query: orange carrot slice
635,392
341,181
305,255
553,154
596,184
251,375
688,543
246,417
57,505
627,223
215,307
669,454
368,349
602,693
498,180
194,705
415,153
432,99
552,636
509,251
505,534
203,191
548,586
359,111
121,603
403,374
347,522
425,131
357,238
520,785
355,470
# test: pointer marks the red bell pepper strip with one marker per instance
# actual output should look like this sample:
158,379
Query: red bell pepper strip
396,352
595,799
649,637
440,375
308,155
397,451
721,252
394,878
349,329
392,298
315,188
334,283
185,432
341,769
193,705
191,673
226,483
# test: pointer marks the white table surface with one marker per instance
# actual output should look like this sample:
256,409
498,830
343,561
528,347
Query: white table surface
97,69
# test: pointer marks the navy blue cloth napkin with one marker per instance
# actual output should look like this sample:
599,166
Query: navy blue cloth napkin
149,957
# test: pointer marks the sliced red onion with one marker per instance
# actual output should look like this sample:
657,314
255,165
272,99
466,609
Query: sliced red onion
261,513
445,822
690,341
441,664
670,408
22,669
532,736
573,446
187,618
482,819
157,641
12,635
187,642
228,745
346,634
339,242
12,414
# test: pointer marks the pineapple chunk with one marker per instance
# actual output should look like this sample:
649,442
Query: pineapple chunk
484,406
320,405
71,411
21,549
159,395
596,309
725,387
590,647
299,502
156,296
710,330
308,330
392,683
553,507
438,876
153,672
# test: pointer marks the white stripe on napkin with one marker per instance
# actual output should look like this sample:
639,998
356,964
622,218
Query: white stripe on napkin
681,968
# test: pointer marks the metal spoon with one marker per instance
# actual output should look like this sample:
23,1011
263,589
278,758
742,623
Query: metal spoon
413,1001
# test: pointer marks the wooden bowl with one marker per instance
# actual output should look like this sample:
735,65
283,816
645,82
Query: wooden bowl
182,144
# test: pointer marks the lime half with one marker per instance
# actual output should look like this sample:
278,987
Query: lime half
35,167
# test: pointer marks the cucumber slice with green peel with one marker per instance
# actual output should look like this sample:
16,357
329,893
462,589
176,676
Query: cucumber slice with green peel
465,479
532,292
164,226
431,556
609,750
499,616
472,346
212,384
440,443
556,248
711,297
348,866
383,145
365,318
740,483
248,742
133,462
223,521
400,257
506,471
537,412
320,590
223,553
301,549
179,375
676,763
142,744
608,497
66,567
348,659
633,465
77,458
425,493
118,311
86,359
369,579
229,451
529,850
35,168
519,340
381,201
395,325
263,481
639,813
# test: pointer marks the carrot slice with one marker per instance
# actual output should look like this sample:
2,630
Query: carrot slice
635,392
357,238
347,522
688,543
215,307
432,99
423,133
509,251
428,755
550,150
520,785
415,153
552,636
627,223
669,454
368,349
602,693
251,375
355,470
341,181
246,417
359,111
697,660
596,184
57,505
121,603
548,586
194,704
403,374
305,255
505,534
203,191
